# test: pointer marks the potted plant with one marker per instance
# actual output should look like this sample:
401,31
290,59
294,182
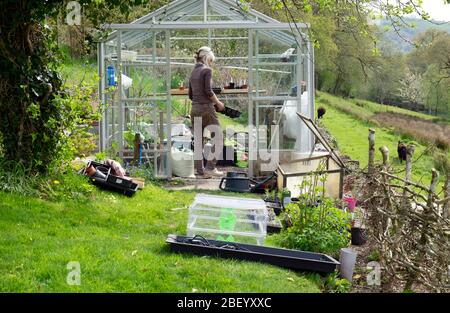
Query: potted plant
358,231
285,196
273,224
273,200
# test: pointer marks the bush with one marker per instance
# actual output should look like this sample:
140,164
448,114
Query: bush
314,223
318,229
68,186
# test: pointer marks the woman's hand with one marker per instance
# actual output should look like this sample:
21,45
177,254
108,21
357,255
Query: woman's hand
220,106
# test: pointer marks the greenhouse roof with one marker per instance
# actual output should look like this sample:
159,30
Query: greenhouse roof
206,14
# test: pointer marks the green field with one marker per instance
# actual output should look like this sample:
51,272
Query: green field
351,133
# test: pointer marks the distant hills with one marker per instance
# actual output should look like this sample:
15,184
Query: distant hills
420,26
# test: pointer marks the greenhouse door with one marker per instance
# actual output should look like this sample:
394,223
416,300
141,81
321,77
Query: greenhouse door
280,68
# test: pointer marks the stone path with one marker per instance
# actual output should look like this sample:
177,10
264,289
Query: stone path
206,184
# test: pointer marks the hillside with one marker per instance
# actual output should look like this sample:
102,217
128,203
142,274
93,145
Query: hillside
349,120
408,33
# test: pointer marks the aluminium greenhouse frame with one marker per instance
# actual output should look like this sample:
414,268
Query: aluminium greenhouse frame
164,21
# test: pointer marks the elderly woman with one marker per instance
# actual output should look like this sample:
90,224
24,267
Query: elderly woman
204,106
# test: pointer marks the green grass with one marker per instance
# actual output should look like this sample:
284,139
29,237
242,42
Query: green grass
351,134
120,245
368,108
78,71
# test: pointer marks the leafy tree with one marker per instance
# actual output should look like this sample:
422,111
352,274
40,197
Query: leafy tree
436,90
34,109
384,78
344,38
411,88
431,58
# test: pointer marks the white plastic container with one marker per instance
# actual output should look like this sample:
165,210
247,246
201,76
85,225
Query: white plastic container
126,82
347,258
182,163
231,219
183,142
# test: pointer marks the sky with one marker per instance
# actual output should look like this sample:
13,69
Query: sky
437,9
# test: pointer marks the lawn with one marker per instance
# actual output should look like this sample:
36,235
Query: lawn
120,245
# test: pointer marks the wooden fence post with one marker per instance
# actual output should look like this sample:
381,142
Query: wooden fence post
409,158
446,206
385,153
371,150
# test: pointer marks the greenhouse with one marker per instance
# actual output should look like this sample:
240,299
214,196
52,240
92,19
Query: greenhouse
264,68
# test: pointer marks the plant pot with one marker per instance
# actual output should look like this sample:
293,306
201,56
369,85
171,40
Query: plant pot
359,236
351,203
274,228
347,258
92,172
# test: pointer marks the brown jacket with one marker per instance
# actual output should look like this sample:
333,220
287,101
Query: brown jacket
200,84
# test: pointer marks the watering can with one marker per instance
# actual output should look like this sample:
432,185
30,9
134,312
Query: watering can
240,182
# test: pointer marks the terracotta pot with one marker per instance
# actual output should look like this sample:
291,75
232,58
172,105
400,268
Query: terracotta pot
90,171
93,173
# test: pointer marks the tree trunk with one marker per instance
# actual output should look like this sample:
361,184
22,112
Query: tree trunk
29,122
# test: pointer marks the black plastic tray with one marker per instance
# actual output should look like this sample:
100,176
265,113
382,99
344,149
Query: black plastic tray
232,113
114,183
292,259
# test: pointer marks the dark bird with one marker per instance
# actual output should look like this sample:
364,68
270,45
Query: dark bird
401,150
321,112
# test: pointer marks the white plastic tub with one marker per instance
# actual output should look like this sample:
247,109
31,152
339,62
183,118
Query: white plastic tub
228,219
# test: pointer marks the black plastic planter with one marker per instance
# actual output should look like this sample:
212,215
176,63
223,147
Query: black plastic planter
112,182
292,259
358,236
276,206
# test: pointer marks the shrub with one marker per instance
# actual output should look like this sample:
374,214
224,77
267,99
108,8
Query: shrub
314,223
318,229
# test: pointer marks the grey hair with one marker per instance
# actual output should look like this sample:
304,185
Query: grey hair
205,55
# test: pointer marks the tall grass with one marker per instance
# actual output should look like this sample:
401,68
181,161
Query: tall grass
14,178
61,185
423,130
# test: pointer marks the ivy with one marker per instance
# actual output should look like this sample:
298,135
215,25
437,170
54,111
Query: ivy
39,117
